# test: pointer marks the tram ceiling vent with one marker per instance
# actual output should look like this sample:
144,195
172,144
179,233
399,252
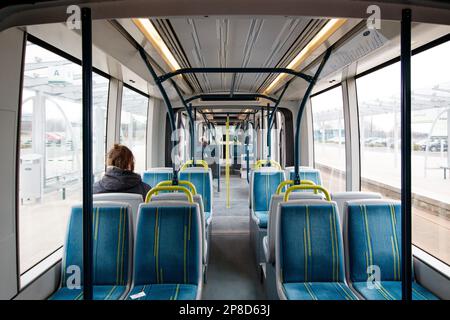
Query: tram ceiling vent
362,43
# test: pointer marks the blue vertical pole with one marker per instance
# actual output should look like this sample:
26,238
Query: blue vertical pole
86,43
405,65
300,114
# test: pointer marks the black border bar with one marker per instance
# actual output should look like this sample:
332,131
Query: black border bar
86,42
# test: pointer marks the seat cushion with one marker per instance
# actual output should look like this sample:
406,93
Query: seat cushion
166,292
318,291
262,218
392,290
99,293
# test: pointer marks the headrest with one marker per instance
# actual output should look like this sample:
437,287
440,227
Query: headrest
195,169
167,204
307,202
117,196
354,195
160,169
372,202
106,204
302,168
268,170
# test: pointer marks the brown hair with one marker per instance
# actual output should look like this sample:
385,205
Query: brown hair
120,156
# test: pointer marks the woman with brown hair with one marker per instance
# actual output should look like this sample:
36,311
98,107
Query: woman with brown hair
119,175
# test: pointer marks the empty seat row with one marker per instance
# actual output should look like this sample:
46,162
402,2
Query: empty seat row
309,250
162,261
264,182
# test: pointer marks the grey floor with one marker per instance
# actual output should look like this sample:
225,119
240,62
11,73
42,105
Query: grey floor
232,273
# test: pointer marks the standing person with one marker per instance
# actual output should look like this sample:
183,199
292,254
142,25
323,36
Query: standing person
119,175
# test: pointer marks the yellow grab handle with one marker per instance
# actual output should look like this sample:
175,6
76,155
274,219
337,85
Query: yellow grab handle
291,182
307,187
180,182
189,162
259,163
155,190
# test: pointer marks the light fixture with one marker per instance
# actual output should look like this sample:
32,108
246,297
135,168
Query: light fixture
153,36
323,35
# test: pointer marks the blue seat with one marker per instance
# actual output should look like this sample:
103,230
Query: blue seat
373,238
202,180
309,254
176,196
112,253
306,173
154,176
168,251
264,182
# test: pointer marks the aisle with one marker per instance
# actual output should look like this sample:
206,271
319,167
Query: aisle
232,272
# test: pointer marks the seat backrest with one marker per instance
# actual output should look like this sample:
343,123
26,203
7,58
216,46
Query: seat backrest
306,173
133,199
342,197
112,244
309,242
168,245
178,196
264,184
202,180
273,215
372,235
153,176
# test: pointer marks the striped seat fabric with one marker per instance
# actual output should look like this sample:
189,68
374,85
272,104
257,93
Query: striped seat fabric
373,238
168,251
202,180
154,176
309,253
112,255
265,182
306,173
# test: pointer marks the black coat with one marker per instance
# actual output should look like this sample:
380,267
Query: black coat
118,180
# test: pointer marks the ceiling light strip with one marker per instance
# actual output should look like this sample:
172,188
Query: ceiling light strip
155,39
323,35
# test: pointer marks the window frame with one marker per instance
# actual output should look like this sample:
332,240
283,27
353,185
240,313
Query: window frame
21,285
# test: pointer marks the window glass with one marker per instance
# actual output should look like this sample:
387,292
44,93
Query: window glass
50,149
133,125
379,117
329,138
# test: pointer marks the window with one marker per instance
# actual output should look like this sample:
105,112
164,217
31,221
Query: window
379,118
329,138
100,88
133,125
50,149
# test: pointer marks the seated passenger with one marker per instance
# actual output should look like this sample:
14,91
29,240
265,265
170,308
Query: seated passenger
119,175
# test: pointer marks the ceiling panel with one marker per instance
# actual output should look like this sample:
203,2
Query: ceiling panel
241,42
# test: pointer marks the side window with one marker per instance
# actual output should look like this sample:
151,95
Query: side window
50,149
133,125
379,119
329,138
